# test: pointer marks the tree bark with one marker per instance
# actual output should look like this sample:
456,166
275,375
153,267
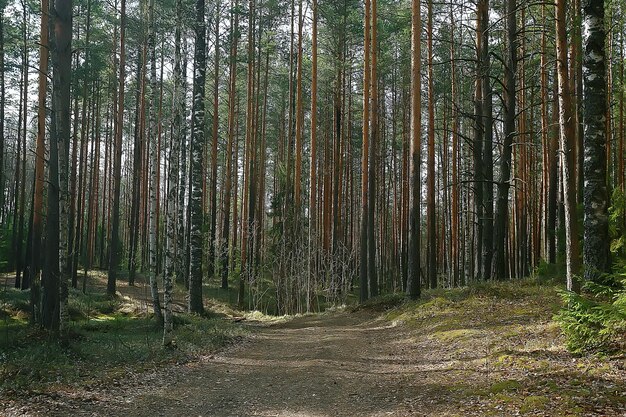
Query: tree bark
313,164
374,140
115,249
413,279
502,200
363,268
62,62
595,195
214,143
197,148
40,151
431,263
487,148
232,123
567,141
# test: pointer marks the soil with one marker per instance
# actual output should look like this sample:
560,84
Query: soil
351,364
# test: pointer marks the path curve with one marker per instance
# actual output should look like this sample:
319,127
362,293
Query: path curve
329,365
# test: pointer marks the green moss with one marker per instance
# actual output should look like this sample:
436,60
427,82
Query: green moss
551,385
437,303
534,403
447,336
106,339
505,398
506,385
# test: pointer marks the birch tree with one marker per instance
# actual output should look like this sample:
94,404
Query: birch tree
197,152
595,195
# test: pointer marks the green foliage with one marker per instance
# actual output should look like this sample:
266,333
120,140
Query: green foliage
547,273
617,213
505,385
108,338
5,249
595,321
381,303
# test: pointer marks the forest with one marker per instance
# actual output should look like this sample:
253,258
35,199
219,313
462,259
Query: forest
162,160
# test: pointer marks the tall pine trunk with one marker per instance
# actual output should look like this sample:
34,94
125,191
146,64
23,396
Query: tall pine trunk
115,249
214,143
431,255
62,62
40,150
363,253
500,223
232,124
374,140
487,147
567,140
413,279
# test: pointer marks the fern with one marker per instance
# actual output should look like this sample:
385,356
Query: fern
595,321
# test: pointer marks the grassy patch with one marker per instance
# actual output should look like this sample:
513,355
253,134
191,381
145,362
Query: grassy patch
454,335
534,403
381,303
515,354
505,385
109,339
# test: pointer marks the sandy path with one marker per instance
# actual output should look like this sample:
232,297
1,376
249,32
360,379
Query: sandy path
329,365
337,365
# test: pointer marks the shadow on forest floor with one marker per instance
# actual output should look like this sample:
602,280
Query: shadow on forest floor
486,350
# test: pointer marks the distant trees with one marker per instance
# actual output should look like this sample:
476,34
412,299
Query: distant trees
301,203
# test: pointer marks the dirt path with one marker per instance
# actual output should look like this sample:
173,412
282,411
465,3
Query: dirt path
330,365
339,365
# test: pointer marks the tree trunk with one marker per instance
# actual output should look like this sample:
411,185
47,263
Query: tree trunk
487,162
172,192
595,196
232,123
62,62
502,210
364,293
374,139
568,142
413,279
215,139
40,151
197,147
115,249
431,263
313,164
154,168
2,112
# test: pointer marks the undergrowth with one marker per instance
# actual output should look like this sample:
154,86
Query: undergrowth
108,340
511,355
595,320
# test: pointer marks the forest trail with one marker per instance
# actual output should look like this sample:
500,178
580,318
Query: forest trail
364,364
337,364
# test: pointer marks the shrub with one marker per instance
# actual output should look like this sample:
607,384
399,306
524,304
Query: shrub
595,320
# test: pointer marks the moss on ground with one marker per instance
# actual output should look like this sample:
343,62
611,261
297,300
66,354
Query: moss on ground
109,339
504,336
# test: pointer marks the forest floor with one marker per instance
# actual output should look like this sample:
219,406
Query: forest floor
485,351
